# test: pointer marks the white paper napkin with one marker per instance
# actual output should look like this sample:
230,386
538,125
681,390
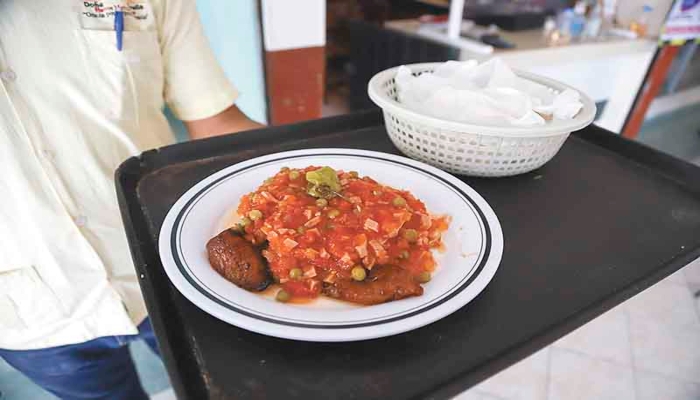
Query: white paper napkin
488,94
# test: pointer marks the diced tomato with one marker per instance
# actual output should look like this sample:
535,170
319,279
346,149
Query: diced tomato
367,230
303,288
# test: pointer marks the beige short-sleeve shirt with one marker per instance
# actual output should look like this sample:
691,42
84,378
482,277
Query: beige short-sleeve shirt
72,108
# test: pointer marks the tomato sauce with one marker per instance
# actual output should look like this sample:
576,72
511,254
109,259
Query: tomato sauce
364,224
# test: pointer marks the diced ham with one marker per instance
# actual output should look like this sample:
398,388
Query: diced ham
346,259
355,200
312,222
289,243
361,250
379,250
359,239
313,284
369,262
377,247
269,197
343,182
330,278
324,253
394,232
311,254
284,280
425,221
310,272
371,225
272,235
308,213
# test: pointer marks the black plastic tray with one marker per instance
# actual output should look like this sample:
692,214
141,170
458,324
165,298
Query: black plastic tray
605,219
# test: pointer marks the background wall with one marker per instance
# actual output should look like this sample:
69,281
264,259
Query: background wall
628,10
234,33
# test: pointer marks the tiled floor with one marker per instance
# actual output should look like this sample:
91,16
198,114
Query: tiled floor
647,348
676,133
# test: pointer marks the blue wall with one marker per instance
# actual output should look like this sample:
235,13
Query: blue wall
233,30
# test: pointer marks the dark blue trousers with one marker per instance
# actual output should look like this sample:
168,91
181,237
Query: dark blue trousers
98,369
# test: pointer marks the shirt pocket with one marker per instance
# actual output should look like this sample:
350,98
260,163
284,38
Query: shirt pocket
28,301
127,82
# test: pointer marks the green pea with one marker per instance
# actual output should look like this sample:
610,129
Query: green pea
423,277
284,169
245,221
398,201
321,202
238,228
255,215
283,296
294,175
358,273
296,273
353,174
404,254
411,235
301,230
332,214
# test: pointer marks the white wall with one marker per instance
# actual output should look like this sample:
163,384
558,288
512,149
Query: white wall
628,10
294,24
234,33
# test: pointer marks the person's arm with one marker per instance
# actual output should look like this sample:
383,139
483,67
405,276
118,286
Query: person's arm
195,88
231,120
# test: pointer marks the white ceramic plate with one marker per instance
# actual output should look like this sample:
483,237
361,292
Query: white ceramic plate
474,244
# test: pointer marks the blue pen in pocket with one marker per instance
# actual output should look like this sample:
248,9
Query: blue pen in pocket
119,26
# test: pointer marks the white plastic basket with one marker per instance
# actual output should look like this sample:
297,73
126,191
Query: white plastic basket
473,149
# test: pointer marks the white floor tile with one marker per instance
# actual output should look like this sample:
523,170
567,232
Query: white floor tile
651,386
677,277
526,380
476,395
665,303
692,274
167,394
606,337
576,376
666,349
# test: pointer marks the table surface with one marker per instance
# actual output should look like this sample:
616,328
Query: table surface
605,219
531,39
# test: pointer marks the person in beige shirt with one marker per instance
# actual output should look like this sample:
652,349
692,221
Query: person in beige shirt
73,107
